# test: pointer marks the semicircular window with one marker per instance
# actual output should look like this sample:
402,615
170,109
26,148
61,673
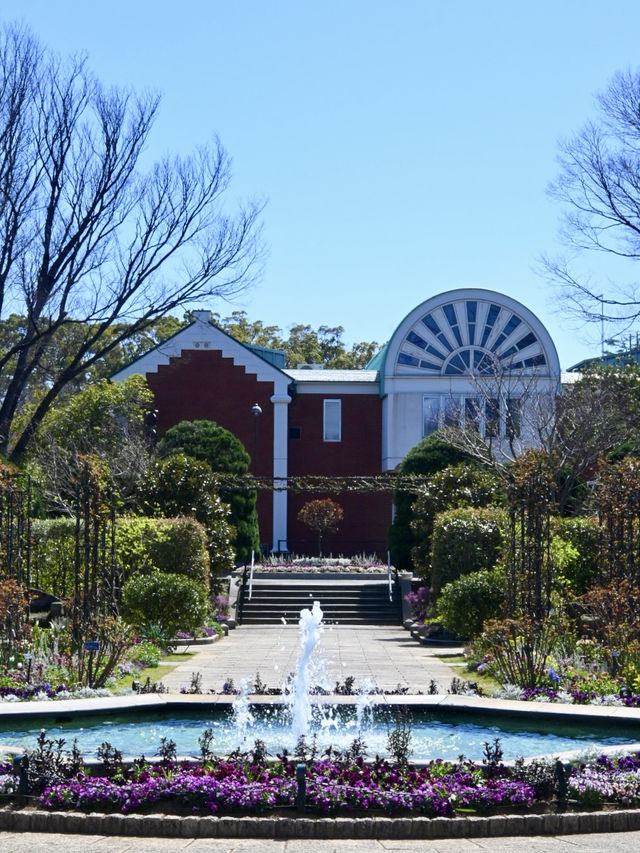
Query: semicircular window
470,336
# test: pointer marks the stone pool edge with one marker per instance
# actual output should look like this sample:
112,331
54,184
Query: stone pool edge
614,714
282,828
172,826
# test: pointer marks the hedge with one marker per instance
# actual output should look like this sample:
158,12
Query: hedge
172,601
53,555
465,540
176,545
465,604
574,551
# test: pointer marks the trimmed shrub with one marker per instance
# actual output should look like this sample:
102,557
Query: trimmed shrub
465,540
466,603
224,452
455,486
173,545
175,602
574,552
426,458
182,486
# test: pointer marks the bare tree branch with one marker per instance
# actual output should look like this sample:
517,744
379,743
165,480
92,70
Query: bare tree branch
599,189
86,237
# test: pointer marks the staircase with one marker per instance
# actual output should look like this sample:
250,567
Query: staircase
350,600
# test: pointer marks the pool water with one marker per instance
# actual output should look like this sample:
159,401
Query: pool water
432,737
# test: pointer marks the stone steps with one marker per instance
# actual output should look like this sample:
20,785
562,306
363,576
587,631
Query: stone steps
346,602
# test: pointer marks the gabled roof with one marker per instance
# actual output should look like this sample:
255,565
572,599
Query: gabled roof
202,334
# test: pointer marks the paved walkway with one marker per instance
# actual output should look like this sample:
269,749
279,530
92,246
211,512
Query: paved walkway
387,655
33,842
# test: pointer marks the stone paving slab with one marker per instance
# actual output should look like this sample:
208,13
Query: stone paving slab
44,842
385,654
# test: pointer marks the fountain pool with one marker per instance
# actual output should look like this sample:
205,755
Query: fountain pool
446,735
438,730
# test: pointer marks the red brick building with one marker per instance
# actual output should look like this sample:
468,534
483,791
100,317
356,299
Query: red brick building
346,423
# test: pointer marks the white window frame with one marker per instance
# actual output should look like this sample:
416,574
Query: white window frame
448,403
327,433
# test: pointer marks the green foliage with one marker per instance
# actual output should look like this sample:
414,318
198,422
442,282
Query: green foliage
304,345
164,544
455,486
173,601
181,485
466,603
53,555
145,654
426,458
211,443
465,540
105,420
127,347
574,553
519,649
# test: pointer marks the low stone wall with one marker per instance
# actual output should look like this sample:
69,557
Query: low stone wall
171,826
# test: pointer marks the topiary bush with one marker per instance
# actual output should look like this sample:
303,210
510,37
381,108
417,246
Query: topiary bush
466,603
223,452
454,486
465,540
182,486
174,545
173,601
426,458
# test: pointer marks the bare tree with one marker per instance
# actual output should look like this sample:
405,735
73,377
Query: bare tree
595,415
599,188
504,412
87,238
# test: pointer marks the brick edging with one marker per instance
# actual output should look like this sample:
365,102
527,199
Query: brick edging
171,826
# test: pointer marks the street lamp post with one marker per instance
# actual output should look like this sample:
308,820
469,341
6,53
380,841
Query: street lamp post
256,411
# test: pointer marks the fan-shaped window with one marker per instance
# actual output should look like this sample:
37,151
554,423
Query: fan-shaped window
470,336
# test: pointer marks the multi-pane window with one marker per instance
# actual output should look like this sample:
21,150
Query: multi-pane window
430,415
490,417
332,425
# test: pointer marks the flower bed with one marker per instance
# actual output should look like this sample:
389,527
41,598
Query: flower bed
319,565
332,786
343,785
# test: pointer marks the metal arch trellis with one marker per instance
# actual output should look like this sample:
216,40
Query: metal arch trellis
15,527
360,483
96,584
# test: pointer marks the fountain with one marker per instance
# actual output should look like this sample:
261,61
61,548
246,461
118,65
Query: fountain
440,728
242,718
310,631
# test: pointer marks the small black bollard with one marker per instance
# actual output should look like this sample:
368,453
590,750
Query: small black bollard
561,779
301,779
21,764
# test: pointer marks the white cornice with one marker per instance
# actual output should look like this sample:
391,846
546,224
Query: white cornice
203,335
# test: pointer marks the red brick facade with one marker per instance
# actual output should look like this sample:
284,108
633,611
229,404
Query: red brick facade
366,516
428,369
203,384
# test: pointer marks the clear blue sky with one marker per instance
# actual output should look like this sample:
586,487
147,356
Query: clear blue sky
403,148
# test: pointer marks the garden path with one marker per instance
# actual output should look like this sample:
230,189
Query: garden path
32,842
386,654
